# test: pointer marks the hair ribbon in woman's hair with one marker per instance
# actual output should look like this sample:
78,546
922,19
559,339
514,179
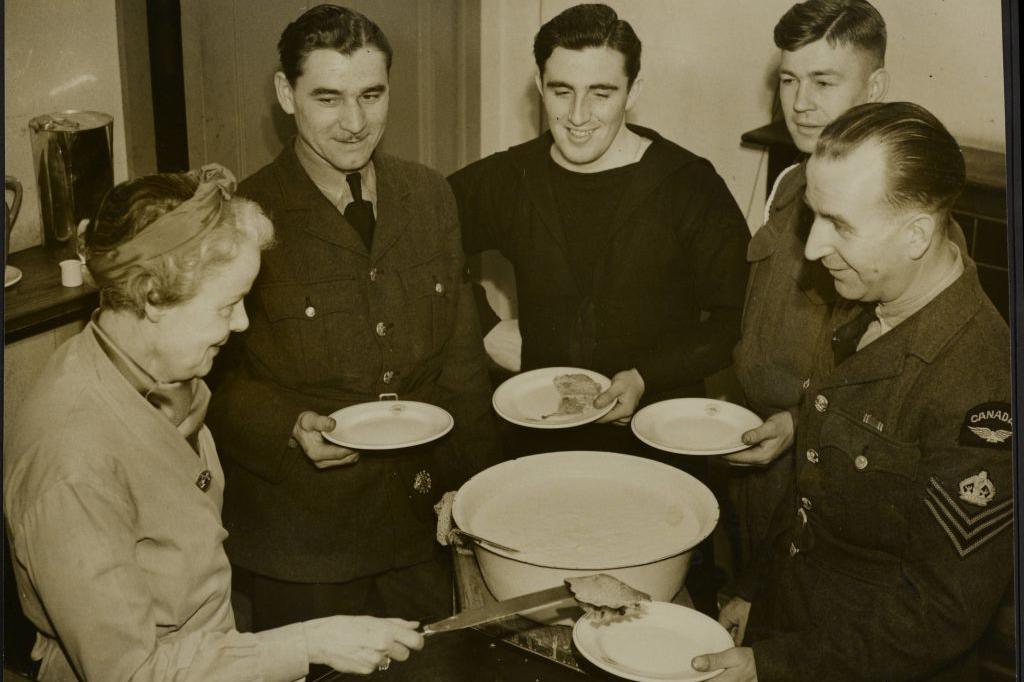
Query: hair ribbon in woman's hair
180,227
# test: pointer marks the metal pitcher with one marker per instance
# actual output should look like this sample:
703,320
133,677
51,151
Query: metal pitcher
74,164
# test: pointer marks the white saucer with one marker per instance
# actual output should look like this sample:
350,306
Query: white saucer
12,276
526,398
694,426
655,646
388,425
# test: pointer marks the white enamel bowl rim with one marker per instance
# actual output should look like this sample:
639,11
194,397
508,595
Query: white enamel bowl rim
504,469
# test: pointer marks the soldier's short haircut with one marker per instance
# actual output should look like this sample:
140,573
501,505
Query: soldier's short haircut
924,165
327,27
840,22
583,26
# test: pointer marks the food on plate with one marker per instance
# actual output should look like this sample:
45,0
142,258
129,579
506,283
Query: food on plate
606,598
576,393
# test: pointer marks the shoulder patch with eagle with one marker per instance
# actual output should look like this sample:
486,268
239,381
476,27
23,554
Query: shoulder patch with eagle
989,425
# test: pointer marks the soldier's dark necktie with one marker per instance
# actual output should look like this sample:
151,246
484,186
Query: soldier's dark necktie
846,337
359,212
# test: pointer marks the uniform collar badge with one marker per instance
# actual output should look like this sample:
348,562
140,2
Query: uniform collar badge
978,489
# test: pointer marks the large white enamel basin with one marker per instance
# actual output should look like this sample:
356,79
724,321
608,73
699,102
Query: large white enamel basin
581,512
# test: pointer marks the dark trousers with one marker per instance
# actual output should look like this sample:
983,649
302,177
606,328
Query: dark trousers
420,592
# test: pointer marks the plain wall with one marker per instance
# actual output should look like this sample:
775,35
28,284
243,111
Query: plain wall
57,55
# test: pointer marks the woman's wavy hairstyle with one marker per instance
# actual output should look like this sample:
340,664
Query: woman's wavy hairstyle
130,207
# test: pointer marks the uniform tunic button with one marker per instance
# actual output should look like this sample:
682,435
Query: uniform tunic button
439,288
803,515
310,311
793,549
373,274
812,456
382,329
388,376
821,403
805,503
861,462
806,383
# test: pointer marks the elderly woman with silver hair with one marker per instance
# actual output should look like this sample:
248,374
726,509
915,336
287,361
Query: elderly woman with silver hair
112,486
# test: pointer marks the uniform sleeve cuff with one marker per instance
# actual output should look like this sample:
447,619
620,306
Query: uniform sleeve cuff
283,653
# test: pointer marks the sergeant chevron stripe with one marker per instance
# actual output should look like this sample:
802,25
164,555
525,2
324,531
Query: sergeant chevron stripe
967,533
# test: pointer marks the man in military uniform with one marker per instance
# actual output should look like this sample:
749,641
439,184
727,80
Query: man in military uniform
363,295
892,548
833,56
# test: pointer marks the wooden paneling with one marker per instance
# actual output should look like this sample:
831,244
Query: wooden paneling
230,56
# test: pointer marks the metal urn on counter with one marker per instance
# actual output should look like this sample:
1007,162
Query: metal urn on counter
74,165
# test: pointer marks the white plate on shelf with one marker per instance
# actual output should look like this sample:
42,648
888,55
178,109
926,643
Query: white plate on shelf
388,425
694,426
12,276
655,646
526,398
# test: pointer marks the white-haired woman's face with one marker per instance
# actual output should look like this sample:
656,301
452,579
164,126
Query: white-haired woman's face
188,336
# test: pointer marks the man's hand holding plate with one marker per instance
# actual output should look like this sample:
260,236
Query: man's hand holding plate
628,387
308,435
767,441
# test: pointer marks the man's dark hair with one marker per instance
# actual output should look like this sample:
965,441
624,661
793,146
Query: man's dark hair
327,27
924,166
840,22
584,26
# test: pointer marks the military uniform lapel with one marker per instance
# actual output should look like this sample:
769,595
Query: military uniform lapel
873,362
945,315
309,209
392,208
924,334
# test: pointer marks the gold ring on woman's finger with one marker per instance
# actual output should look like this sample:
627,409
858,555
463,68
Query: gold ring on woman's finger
384,664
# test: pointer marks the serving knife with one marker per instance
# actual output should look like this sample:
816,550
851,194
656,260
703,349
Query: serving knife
554,596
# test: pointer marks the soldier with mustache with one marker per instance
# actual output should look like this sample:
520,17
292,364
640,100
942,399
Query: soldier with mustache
363,295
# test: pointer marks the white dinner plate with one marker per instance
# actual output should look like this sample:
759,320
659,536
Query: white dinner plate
526,398
388,424
12,276
694,426
655,646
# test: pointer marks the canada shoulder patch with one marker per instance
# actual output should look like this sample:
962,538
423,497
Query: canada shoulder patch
989,425
974,516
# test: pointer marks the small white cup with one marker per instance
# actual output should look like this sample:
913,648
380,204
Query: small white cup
71,272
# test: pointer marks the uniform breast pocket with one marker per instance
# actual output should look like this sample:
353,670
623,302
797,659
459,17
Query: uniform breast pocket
318,328
430,291
870,481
